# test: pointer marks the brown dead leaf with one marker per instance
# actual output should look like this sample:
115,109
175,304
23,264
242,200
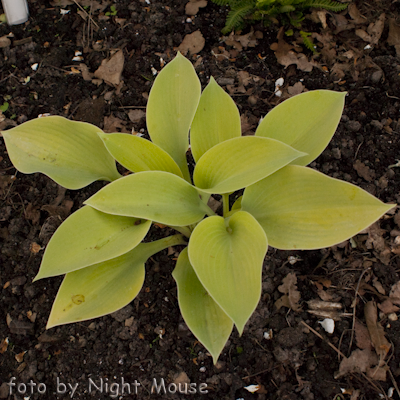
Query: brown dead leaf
4,41
377,242
394,294
113,124
378,286
243,41
32,213
192,8
374,31
378,373
394,35
86,74
355,14
387,307
286,56
297,88
376,332
363,340
192,43
110,70
20,356
4,345
35,248
291,296
358,361
136,115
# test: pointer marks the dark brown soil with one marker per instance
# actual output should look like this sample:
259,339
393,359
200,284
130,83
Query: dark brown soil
295,363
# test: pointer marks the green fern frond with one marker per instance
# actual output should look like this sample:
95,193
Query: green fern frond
224,2
237,14
307,41
326,4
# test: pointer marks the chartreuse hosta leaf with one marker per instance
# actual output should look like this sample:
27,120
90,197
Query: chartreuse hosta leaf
314,117
300,208
155,195
172,103
227,256
217,119
239,162
138,154
211,326
69,152
88,237
106,287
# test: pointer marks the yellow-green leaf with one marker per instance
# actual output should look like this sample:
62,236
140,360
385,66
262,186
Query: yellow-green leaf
306,122
88,237
217,119
227,256
137,154
172,103
106,287
300,208
98,290
239,162
69,152
211,326
155,195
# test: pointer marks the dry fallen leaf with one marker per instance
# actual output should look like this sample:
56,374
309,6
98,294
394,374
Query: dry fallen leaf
113,124
286,56
136,115
111,69
374,31
192,8
20,357
394,294
291,296
4,345
192,43
377,242
355,14
394,35
359,361
387,307
363,340
376,332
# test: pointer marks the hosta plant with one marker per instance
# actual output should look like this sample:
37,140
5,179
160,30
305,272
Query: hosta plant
285,204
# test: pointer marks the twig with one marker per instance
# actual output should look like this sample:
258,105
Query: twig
325,340
355,305
88,15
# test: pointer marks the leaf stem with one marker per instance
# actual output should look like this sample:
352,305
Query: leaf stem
161,244
185,230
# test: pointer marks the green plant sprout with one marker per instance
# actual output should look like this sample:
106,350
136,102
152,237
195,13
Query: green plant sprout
291,11
285,204
112,12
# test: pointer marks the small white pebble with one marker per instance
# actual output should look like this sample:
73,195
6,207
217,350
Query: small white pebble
328,324
268,335
189,20
202,369
252,388
278,93
367,47
35,66
154,71
390,392
77,58
63,12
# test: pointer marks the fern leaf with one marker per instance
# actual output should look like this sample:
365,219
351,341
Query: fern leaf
223,2
307,41
326,4
237,14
